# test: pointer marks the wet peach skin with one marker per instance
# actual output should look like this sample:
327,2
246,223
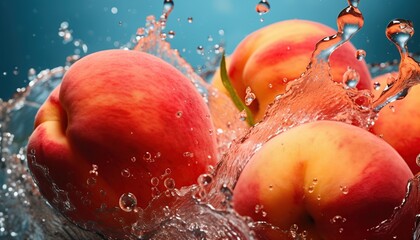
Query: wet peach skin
399,123
331,179
272,56
133,116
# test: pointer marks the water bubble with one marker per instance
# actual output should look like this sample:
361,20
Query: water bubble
91,181
351,78
204,179
418,160
360,54
126,173
338,219
179,114
190,19
221,32
344,190
250,96
114,10
311,188
262,7
169,183
94,170
31,74
147,157
128,202
133,159
154,181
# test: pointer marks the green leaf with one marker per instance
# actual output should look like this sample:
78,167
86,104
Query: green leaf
232,92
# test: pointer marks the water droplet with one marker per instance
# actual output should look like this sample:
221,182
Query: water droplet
204,179
94,170
169,183
126,173
376,86
179,114
16,71
360,54
392,108
399,31
344,190
262,7
200,50
210,38
128,202
171,34
154,181
340,230
114,10
338,219
311,188
418,160
147,157
168,6
31,74
190,19
188,154
242,115
250,96
133,159
351,78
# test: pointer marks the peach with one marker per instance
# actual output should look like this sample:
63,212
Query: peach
272,56
330,179
123,127
398,123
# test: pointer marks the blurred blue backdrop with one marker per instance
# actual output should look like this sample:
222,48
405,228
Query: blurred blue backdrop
29,29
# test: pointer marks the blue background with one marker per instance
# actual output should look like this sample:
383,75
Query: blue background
29,29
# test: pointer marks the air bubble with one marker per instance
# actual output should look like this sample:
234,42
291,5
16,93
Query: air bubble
128,202
179,114
94,170
154,181
126,173
169,183
204,179
147,156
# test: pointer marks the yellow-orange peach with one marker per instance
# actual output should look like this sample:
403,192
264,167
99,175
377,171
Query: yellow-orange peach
272,56
123,127
331,179
399,123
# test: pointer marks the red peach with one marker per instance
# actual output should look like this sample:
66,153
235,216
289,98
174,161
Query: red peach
331,179
272,56
122,127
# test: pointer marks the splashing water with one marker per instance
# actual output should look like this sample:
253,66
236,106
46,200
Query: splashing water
203,211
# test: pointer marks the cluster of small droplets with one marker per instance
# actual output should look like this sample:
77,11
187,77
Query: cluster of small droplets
65,33
338,219
311,187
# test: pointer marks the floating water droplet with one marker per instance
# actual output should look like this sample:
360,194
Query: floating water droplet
250,96
169,183
311,188
262,7
360,54
351,78
31,74
133,159
179,114
210,38
171,34
190,19
126,173
344,190
200,50
114,10
168,6
204,179
16,71
128,202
